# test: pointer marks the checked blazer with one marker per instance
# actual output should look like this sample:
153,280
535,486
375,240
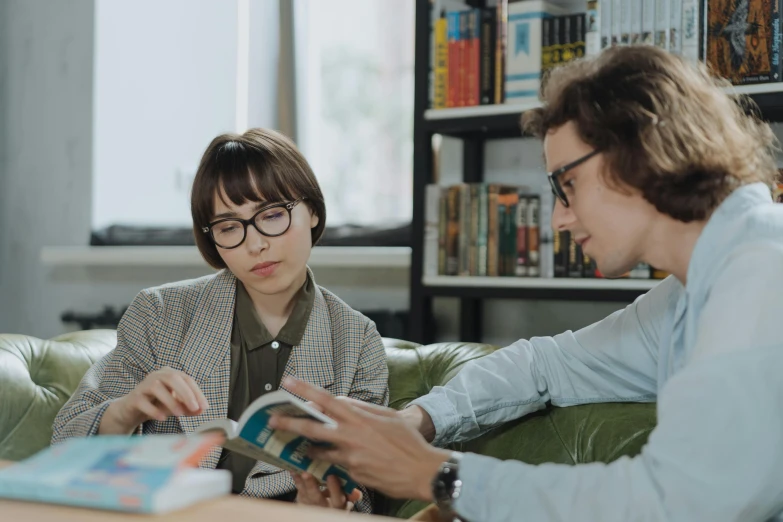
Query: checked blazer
187,326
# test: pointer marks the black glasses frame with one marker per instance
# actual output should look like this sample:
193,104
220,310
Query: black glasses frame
289,206
554,181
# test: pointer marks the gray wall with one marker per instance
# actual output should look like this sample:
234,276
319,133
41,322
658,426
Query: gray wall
47,124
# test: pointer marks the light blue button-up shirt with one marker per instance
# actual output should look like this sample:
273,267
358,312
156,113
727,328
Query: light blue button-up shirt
710,353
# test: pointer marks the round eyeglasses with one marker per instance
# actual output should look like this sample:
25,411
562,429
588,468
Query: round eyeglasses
271,221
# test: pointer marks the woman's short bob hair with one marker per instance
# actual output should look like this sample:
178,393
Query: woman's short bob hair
259,165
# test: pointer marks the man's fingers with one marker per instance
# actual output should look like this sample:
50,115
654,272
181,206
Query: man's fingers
311,429
335,455
338,410
375,409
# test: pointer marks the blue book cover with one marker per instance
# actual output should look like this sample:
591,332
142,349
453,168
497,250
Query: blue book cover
146,474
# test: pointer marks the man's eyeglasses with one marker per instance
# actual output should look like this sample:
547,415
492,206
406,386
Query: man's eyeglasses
554,176
271,221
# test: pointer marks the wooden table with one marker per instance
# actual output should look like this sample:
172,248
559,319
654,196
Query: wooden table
229,508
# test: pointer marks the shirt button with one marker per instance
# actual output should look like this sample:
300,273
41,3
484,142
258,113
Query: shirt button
268,387
275,345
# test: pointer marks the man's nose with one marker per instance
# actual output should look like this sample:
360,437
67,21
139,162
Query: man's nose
562,216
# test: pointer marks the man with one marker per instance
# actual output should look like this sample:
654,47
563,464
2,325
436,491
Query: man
650,161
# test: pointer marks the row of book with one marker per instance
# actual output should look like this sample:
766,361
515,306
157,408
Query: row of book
570,261
493,229
498,54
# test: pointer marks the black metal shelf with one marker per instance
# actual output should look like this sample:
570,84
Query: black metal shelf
618,290
503,121
475,125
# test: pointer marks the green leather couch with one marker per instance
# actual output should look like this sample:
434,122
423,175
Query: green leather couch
37,377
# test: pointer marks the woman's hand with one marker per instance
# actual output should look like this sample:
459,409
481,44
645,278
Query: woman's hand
162,394
377,447
310,493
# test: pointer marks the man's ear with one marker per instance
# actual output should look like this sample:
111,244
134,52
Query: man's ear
314,220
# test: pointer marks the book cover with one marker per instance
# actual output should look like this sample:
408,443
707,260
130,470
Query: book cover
740,42
143,474
252,436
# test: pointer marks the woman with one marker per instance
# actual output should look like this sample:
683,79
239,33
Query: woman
193,351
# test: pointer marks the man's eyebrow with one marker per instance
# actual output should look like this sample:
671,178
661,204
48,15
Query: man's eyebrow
231,214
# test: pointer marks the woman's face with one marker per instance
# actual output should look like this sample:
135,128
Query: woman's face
269,266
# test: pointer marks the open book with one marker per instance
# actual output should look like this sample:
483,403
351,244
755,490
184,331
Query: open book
251,436
147,474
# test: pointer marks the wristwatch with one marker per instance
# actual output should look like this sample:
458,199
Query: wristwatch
446,487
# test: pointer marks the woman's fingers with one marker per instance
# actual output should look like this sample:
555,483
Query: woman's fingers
333,488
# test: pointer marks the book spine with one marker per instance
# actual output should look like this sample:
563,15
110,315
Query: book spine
648,21
475,190
636,22
464,36
560,253
441,63
593,33
500,51
492,231
431,233
510,258
675,26
487,62
625,22
575,261
443,221
464,231
662,23
474,56
607,22
522,258
452,18
690,30
580,34
533,236
452,237
483,232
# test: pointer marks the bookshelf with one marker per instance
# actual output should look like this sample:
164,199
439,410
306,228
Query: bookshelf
475,125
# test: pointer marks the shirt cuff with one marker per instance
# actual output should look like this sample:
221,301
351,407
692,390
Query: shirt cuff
475,499
444,416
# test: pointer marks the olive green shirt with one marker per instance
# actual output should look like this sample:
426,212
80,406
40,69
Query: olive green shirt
257,363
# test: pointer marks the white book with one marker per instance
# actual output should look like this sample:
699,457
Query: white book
523,48
648,21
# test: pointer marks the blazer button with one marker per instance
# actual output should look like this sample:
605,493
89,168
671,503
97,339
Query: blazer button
268,387
275,345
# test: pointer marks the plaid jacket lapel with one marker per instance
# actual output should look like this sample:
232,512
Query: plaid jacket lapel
206,355
312,360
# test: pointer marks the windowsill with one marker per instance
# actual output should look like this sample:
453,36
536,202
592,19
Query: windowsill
188,256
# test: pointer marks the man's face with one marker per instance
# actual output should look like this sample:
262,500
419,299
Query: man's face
610,225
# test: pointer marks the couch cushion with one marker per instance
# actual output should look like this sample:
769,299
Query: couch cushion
37,377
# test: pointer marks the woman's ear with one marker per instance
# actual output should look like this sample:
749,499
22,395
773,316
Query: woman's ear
314,220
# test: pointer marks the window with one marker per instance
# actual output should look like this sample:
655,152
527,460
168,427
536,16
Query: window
354,77
168,77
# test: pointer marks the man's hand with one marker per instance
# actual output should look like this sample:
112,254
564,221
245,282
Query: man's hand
414,416
162,394
377,446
